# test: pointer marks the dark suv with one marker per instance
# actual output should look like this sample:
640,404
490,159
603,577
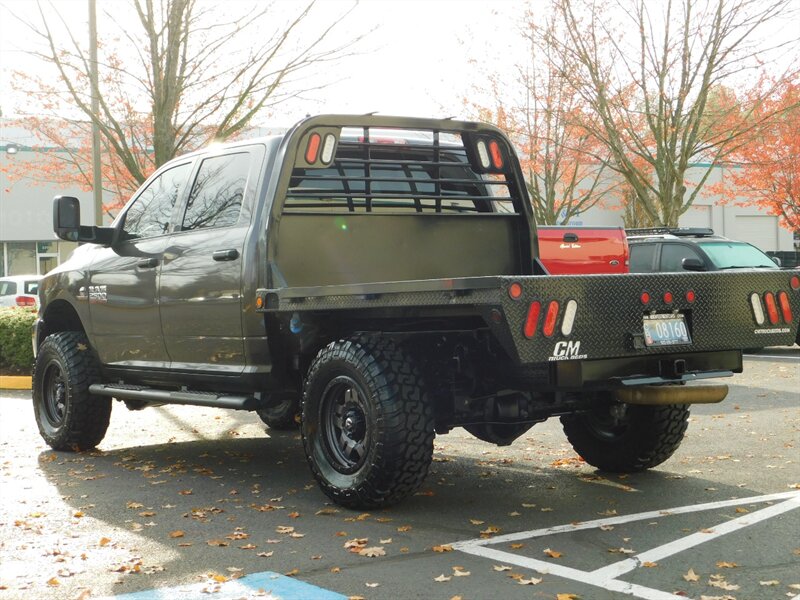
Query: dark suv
659,250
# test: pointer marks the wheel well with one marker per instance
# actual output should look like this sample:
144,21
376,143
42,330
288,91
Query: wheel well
59,316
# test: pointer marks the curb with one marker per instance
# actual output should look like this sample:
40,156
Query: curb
15,382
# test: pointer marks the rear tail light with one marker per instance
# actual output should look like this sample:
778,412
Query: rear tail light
668,297
550,319
25,301
532,320
772,307
645,298
758,308
786,309
690,296
795,282
515,291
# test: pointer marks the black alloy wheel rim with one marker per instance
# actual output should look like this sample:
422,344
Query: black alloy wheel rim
55,394
344,428
604,426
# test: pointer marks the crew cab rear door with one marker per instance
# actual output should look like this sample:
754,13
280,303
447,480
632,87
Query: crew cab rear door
201,275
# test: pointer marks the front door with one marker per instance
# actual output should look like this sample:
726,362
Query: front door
123,280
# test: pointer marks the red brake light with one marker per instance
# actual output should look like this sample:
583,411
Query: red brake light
786,308
772,308
645,298
515,291
25,301
795,282
690,296
312,150
496,153
532,320
550,319
668,297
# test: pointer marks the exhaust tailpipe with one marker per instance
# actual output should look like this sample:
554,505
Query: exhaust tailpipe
656,395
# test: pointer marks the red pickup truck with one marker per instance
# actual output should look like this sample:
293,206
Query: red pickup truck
583,250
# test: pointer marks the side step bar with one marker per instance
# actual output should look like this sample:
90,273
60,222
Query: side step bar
212,400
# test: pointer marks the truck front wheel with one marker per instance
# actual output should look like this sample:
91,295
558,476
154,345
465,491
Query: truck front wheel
68,416
627,438
367,424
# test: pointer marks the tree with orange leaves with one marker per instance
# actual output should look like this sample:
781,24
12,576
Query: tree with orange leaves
174,75
564,165
766,168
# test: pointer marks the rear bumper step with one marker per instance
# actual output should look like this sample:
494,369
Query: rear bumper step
655,395
153,395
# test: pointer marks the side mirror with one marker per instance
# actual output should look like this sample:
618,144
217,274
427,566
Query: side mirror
67,223
693,264
777,261
67,218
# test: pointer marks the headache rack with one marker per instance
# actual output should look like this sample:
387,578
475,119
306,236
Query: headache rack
376,169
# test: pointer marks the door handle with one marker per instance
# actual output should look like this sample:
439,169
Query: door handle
229,254
147,263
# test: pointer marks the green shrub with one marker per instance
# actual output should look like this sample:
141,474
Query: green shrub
16,351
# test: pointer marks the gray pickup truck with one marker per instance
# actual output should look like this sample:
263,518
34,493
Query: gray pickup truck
376,280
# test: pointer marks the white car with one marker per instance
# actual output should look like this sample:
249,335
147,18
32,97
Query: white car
20,290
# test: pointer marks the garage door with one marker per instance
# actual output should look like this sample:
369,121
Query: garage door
759,230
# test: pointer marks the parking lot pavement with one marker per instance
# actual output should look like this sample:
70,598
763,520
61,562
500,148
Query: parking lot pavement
204,503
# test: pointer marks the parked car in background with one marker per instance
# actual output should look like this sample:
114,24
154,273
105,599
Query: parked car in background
20,290
664,250
582,250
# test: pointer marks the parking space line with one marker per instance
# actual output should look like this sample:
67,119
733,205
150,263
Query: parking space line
606,577
695,539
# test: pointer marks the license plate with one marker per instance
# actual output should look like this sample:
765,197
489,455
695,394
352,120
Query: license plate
665,330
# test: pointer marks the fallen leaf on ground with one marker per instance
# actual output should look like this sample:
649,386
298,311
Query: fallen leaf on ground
552,553
372,585
531,581
476,521
501,568
459,572
292,573
284,529
726,565
442,578
691,576
134,505
356,543
443,548
294,515
490,530
621,551
53,581
649,564
185,492
327,511
404,528
265,554
176,534
335,570
220,543
606,527
567,596
517,546
372,552
386,541
769,583
248,547
104,541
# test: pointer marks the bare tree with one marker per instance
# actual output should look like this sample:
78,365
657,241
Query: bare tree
647,69
177,74
564,164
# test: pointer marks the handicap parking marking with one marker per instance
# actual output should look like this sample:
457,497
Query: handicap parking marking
265,586
607,577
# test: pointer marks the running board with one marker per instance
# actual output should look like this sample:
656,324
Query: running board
152,395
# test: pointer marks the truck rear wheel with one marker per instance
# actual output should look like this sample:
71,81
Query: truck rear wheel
68,416
367,425
641,438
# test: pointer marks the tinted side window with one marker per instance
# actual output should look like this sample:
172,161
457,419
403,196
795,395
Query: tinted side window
217,193
149,215
641,260
672,256
7,288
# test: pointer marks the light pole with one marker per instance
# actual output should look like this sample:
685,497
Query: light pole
97,178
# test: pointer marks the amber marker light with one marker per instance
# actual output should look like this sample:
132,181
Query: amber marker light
515,291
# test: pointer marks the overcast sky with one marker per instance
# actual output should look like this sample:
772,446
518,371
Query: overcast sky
416,62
